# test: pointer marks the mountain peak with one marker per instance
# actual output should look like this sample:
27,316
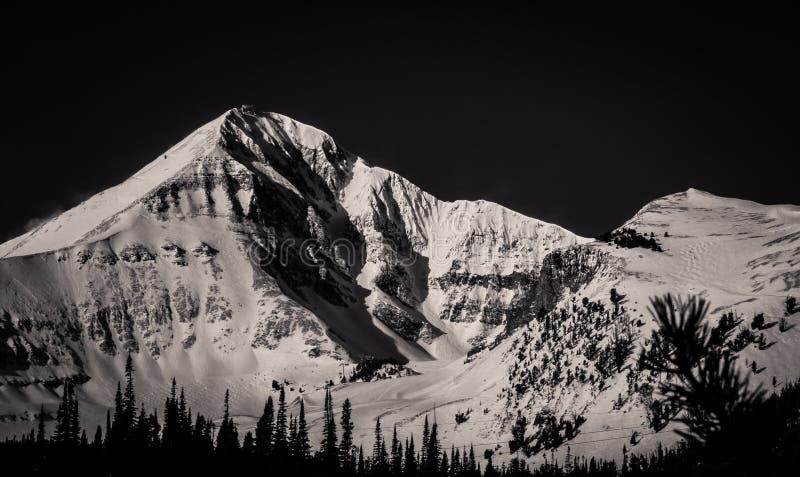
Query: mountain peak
240,137
277,126
257,249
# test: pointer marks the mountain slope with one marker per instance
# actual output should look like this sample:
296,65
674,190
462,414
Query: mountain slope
259,249
255,245
739,255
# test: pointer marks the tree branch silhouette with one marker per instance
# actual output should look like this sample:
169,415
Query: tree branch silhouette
715,398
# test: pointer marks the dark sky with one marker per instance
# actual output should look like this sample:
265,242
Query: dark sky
573,119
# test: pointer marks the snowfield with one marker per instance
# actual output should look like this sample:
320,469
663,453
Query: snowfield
257,249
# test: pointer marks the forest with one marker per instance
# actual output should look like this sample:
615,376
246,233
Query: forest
728,427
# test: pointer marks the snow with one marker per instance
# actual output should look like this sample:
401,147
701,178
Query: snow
73,225
739,255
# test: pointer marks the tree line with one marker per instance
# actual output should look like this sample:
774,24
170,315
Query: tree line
730,428
135,442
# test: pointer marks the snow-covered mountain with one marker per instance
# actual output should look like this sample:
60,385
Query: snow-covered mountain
259,249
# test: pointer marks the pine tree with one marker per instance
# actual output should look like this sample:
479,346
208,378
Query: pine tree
328,449
758,321
67,432
303,447
384,458
61,433
279,439
624,470
264,429
118,426
154,439
426,432
490,470
107,441
518,441
431,465
717,402
74,424
201,441
410,461
396,458
515,467
292,441
360,471
228,436
397,464
142,429
248,445
378,449
97,442
455,462
568,461
40,437
345,449
472,464
207,439
169,439
791,305
189,421
444,465
183,423
129,399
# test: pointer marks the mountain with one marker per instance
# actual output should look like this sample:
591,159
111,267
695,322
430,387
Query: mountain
258,249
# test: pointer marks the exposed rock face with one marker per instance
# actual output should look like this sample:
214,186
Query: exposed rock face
255,231
16,353
136,253
174,254
204,250
502,297
512,300
398,320
570,268
395,281
257,248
